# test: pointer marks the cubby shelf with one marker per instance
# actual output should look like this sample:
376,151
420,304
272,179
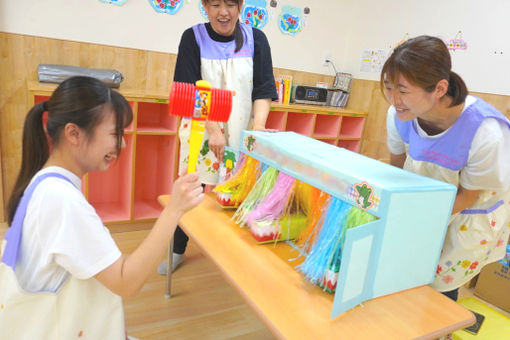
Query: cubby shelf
155,117
352,126
326,126
340,127
147,166
276,120
154,173
109,191
301,123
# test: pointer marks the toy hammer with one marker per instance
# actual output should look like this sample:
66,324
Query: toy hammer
199,102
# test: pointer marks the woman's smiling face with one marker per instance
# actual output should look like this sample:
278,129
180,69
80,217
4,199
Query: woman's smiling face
410,101
223,15
99,150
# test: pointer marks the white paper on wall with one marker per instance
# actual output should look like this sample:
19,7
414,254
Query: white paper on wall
372,60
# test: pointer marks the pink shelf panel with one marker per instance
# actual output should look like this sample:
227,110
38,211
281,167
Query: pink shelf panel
154,173
352,145
40,99
152,116
276,120
352,126
112,212
326,126
300,122
130,127
110,191
146,209
329,141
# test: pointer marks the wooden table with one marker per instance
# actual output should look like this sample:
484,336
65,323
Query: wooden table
293,308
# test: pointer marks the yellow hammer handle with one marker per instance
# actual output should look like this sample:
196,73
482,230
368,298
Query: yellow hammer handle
195,142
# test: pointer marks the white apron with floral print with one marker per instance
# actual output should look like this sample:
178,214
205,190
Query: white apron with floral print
475,237
226,70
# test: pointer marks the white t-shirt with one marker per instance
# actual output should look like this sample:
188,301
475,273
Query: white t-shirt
488,164
62,234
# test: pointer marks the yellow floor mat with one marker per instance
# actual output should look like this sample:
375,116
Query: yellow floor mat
496,326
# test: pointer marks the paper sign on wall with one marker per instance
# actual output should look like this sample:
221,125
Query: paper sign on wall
373,60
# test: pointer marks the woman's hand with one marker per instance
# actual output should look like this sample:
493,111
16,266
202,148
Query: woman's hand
126,276
187,193
217,142
263,128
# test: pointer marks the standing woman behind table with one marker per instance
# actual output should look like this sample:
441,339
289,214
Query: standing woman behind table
230,55
436,129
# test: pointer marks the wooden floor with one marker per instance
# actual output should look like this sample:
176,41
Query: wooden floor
203,305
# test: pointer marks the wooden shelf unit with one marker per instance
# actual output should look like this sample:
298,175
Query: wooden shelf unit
340,127
127,192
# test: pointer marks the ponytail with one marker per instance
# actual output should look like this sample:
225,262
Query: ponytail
238,37
35,152
457,89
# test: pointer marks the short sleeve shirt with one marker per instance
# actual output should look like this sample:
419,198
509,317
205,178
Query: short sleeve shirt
62,235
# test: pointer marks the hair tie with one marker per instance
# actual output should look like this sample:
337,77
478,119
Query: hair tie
45,105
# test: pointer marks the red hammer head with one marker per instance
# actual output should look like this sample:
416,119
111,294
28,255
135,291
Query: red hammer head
200,102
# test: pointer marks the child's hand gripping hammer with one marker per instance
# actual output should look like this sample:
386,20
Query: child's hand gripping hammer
199,102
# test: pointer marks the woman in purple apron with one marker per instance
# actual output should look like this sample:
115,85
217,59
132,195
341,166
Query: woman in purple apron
436,129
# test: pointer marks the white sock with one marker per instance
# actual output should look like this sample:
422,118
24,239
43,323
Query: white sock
177,259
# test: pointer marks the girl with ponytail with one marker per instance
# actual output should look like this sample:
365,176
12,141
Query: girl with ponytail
64,248
436,129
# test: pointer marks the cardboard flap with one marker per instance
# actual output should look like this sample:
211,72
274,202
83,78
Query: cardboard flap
360,256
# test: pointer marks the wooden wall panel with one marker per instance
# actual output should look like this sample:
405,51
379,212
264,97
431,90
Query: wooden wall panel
2,217
143,70
304,78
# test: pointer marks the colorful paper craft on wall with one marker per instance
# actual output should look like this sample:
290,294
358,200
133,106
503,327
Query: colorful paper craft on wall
291,20
115,2
166,6
406,37
254,13
457,43
202,11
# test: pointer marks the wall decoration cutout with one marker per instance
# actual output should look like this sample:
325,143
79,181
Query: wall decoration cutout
291,20
254,13
166,6
115,2
306,11
272,7
202,11
457,43
406,37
